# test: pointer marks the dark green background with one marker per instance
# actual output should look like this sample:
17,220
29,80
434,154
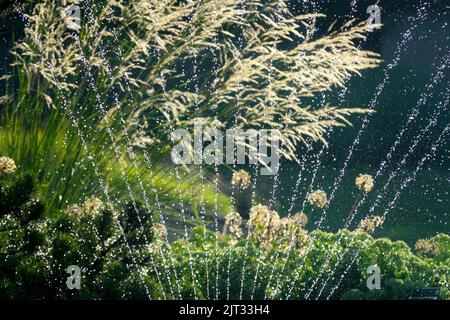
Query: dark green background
423,208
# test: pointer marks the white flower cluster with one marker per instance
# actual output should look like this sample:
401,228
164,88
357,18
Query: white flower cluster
91,206
369,224
318,198
241,179
7,166
233,221
364,182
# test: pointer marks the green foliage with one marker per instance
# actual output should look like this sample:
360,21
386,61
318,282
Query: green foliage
20,235
69,168
111,246
91,115
402,272
443,243
121,257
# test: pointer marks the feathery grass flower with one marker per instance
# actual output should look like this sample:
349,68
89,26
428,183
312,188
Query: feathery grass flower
241,179
364,182
7,166
156,36
318,198
266,79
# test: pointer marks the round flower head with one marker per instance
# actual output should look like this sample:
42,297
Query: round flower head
74,209
285,223
160,230
299,239
233,220
300,219
364,182
7,166
264,223
236,231
369,224
426,247
92,206
318,198
241,179
292,234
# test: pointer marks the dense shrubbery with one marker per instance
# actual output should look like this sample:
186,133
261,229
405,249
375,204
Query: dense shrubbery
402,272
36,248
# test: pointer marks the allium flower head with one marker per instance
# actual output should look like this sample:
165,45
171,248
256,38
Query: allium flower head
286,223
160,230
74,209
292,234
364,182
369,224
92,206
426,247
7,166
300,219
318,198
264,223
233,220
241,179
299,239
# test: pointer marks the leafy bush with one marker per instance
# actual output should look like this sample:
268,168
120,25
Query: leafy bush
274,273
110,245
124,255
206,264
20,236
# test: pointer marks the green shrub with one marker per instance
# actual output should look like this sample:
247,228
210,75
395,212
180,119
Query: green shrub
110,245
402,272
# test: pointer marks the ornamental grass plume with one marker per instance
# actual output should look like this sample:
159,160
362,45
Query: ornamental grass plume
364,182
369,224
318,198
269,63
241,179
124,77
7,166
426,247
